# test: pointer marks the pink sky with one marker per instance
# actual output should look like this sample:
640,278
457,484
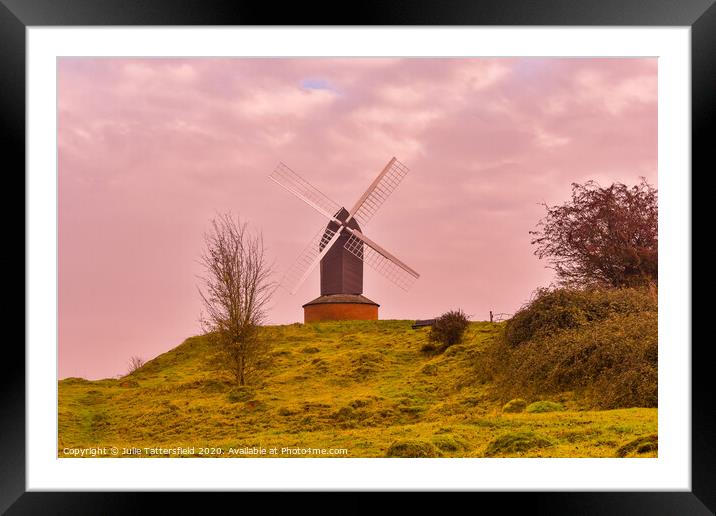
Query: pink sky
151,149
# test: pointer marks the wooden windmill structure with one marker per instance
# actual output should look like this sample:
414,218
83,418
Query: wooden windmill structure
341,248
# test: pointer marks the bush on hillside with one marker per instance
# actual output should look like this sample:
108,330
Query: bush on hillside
516,443
514,406
601,345
449,329
74,380
544,406
639,446
448,443
553,310
613,361
135,363
411,448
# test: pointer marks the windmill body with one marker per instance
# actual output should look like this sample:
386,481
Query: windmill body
341,270
341,248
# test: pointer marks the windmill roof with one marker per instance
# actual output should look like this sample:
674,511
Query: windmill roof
342,299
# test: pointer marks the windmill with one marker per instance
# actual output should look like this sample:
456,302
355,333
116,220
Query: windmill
342,248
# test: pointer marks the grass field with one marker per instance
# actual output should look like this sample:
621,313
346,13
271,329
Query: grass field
359,386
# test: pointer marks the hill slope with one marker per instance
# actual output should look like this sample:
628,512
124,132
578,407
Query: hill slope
359,386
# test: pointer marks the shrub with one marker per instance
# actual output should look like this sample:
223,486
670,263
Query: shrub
449,329
516,405
74,380
554,310
602,345
412,448
135,363
516,443
448,443
544,406
614,362
639,446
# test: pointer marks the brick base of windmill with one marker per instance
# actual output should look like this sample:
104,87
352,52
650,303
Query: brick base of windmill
340,307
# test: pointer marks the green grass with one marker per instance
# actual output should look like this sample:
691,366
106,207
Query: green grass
516,443
361,385
544,406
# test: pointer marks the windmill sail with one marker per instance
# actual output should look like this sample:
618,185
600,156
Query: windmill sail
381,260
357,243
309,258
304,190
379,190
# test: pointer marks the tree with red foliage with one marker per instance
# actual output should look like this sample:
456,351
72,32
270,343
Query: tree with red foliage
603,236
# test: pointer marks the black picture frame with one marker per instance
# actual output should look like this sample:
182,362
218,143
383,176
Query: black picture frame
17,15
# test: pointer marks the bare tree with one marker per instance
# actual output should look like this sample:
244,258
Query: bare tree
135,363
237,288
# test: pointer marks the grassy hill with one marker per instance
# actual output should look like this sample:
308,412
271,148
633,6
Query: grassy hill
362,386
